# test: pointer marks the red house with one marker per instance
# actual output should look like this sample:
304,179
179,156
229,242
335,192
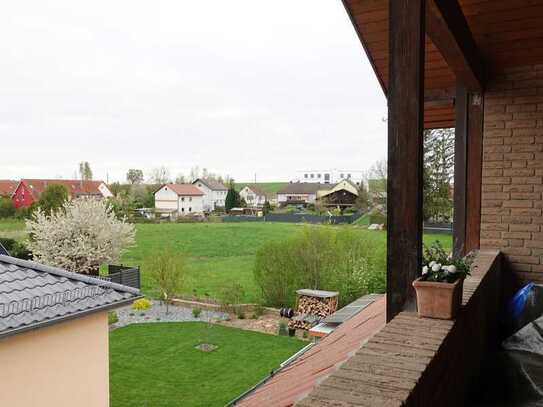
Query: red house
7,187
29,190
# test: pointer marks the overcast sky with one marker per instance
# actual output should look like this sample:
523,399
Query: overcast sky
239,87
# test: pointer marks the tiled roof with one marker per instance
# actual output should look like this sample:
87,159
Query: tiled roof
211,184
304,188
75,187
297,379
7,187
185,189
256,189
33,295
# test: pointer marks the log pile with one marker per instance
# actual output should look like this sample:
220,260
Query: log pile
313,306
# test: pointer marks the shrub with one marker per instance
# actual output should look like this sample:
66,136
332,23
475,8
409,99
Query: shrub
25,212
196,312
283,329
231,296
112,318
53,198
16,249
7,210
319,258
143,304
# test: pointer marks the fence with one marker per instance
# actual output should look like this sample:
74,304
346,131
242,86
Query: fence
294,218
129,276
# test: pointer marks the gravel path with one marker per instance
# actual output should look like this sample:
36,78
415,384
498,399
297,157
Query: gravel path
157,313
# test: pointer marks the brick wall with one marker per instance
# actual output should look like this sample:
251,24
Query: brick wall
511,213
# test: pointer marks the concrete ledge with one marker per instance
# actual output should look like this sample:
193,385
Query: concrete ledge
416,361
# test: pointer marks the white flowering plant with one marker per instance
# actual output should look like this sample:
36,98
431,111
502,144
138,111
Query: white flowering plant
440,266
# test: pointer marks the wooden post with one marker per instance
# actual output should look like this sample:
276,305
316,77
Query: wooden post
467,171
460,170
405,152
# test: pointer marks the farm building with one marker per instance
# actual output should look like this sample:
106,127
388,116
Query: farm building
28,191
300,193
214,193
54,335
253,195
179,200
342,195
7,187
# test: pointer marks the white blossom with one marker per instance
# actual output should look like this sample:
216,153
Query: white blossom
80,237
452,269
425,270
431,264
436,267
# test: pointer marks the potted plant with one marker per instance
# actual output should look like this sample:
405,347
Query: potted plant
439,289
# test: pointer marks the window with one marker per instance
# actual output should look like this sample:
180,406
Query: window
312,175
319,175
190,209
190,199
182,209
342,175
348,176
183,199
305,175
200,185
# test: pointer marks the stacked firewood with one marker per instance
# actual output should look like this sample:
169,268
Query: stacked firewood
311,310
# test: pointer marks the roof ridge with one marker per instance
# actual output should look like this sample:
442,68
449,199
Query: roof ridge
68,274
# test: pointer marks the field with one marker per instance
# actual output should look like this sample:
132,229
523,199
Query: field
218,254
157,364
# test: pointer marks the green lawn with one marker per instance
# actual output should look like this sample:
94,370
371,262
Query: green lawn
156,364
218,254
13,229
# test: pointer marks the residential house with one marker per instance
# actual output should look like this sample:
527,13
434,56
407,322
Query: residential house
214,193
342,195
179,200
54,335
7,187
28,191
300,193
253,195
329,176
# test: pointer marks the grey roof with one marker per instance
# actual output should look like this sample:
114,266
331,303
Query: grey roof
350,310
211,184
304,188
34,295
317,293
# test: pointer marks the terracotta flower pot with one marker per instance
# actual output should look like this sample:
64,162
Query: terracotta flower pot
438,300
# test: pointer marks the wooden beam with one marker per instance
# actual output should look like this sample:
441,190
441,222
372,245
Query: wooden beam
405,152
475,168
449,31
460,171
467,171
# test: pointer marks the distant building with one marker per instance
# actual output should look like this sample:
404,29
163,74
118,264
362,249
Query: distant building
253,196
214,193
342,195
330,176
300,193
7,187
28,191
179,200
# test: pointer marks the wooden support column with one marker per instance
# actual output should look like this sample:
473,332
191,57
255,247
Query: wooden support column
405,152
467,171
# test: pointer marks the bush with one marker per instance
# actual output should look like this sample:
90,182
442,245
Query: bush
168,270
112,318
319,258
377,217
7,210
16,249
283,329
142,304
25,212
196,312
231,296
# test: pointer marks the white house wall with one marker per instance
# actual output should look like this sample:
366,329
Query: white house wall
166,199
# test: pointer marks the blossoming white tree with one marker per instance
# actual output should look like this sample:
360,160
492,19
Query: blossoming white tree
80,237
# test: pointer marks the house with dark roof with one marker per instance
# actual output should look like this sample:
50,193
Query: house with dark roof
253,195
7,187
29,191
54,335
300,193
342,195
179,200
214,193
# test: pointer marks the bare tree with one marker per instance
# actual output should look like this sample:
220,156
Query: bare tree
160,175
180,179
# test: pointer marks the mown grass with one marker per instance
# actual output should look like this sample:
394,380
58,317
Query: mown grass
157,364
218,254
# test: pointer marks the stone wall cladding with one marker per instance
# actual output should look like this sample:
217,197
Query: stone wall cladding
511,208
